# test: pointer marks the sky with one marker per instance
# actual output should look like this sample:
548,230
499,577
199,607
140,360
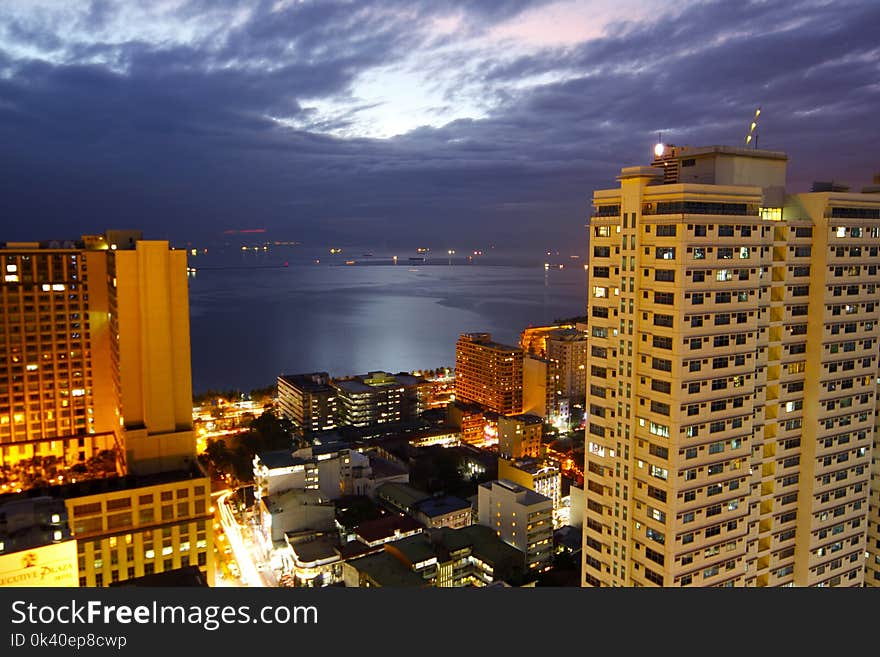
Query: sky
406,122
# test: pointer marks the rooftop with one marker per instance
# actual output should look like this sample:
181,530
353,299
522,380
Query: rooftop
108,484
402,495
386,570
485,339
382,467
381,528
281,458
289,499
525,418
184,576
320,548
523,494
312,382
434,507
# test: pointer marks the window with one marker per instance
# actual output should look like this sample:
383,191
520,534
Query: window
660,386
657,450
661,364
664,253
657,493
666,231
667,298
667,275
659,407
660,473
662,342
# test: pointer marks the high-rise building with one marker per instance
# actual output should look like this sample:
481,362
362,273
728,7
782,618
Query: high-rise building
533,340
730,376
94,351
95,360
489,373
59,398
308,401
539,387
567,354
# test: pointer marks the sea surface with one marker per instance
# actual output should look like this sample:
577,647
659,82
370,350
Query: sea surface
257,315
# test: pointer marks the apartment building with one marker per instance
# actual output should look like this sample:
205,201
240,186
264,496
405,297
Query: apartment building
731,376
521,518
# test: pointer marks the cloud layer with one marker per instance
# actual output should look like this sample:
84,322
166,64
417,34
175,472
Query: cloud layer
401,122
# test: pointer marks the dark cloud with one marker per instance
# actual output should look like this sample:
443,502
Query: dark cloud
191,137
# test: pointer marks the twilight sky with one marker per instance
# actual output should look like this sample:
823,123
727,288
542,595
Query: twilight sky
406,122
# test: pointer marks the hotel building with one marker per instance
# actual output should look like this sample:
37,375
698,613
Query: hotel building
488,373
731,376
95,356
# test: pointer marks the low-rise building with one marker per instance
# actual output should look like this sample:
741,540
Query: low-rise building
444,557
294,511
444,511
389,528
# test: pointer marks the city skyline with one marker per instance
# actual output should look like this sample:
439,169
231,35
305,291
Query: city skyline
399,122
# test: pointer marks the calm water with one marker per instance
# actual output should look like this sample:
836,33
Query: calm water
250,324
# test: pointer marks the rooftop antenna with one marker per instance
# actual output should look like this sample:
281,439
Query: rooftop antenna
753,135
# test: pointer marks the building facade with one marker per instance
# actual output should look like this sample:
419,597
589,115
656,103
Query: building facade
520,436
521,518
95,353
379,398
132,526
308,401
730,376
489,374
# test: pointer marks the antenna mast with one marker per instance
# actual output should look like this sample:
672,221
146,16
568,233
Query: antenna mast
753,135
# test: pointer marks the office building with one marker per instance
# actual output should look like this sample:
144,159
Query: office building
730,376
521,518
308,401
489,374
379,398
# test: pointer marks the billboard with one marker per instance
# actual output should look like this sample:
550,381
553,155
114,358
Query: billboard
47,565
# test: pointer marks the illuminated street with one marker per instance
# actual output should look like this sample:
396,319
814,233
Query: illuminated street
254,572
250,575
